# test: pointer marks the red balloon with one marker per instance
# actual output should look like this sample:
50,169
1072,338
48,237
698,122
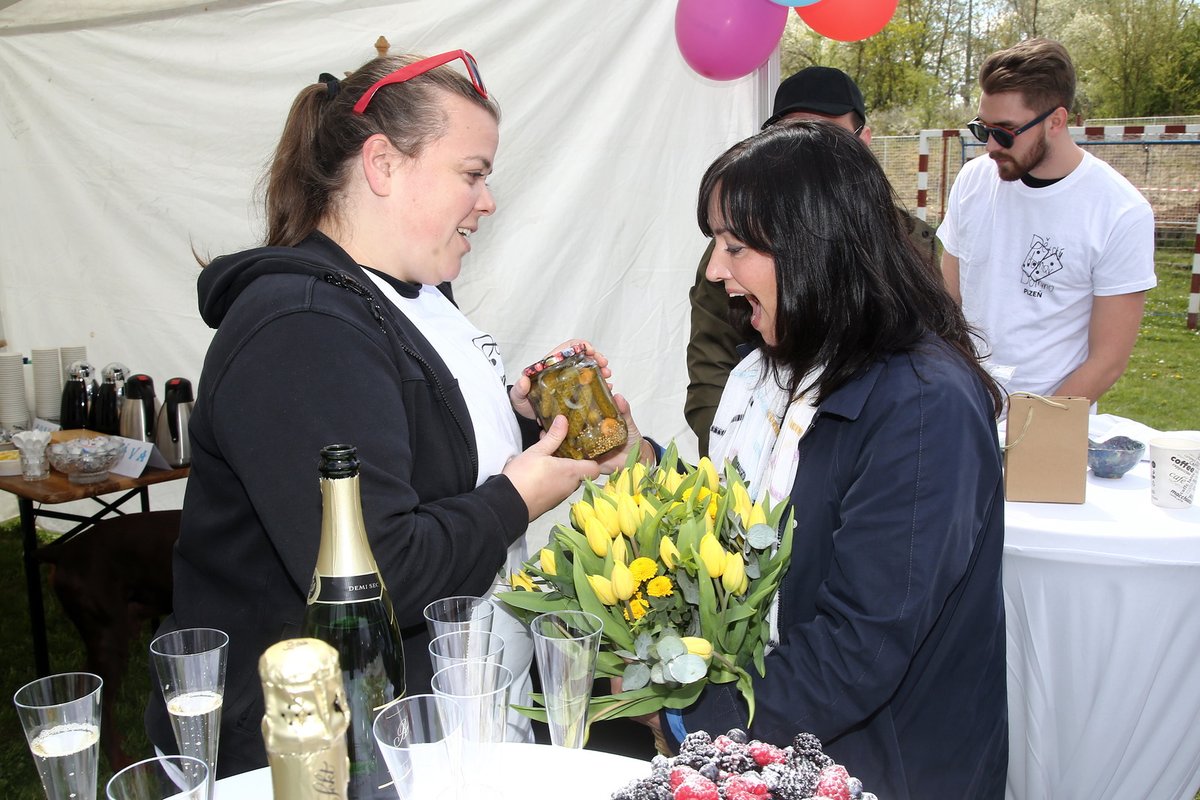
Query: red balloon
848,20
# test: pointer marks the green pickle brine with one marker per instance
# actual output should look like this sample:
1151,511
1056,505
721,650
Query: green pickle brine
348,607
569,383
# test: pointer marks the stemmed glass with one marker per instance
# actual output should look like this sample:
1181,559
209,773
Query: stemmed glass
61,718
566,644
161,778
190,664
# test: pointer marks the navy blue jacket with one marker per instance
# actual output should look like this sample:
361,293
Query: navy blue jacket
892,612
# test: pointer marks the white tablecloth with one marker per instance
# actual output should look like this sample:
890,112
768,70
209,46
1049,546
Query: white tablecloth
530,770
1103,605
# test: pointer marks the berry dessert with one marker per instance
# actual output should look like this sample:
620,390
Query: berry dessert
735,767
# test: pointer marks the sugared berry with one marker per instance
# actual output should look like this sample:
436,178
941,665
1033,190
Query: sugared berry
697,787
831,783
764,753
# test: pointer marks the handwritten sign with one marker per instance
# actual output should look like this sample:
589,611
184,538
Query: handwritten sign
137,456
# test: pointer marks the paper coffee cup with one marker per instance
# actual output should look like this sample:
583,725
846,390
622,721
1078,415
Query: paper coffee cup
1174,464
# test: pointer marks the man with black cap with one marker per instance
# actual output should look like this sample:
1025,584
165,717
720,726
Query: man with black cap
812,93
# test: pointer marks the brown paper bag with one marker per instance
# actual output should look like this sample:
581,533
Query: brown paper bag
1045,450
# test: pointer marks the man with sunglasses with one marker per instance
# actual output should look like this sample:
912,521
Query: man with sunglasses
812,93
1049,249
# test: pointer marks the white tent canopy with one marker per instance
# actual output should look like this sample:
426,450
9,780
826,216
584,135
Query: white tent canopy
135,132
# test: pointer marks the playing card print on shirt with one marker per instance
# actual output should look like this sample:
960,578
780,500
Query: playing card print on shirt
1040,262
491,351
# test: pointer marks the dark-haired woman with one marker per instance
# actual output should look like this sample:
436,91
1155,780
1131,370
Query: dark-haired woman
335,331
867,407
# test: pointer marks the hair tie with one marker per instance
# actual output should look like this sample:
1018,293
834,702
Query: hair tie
332,84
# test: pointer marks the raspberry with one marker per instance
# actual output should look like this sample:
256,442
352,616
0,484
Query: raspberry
723,743
697,787
751,784
831,783
764,753
679,774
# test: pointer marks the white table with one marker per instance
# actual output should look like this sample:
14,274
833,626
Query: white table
1103,607
530,770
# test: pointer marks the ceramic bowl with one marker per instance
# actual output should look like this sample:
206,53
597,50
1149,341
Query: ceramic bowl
86,460
1113,457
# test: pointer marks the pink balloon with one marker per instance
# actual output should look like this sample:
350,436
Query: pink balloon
726,39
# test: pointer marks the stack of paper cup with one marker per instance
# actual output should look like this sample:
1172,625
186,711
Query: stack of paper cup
14,408
68,356
1174,467
47,383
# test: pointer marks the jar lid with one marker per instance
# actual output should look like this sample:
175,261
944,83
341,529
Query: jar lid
553,358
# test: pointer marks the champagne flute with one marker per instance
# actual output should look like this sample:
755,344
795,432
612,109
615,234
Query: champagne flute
458,613
566,644
61,718
161,778
190,664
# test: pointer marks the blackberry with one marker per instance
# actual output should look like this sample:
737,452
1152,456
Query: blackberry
643,789
737,761
796,782
805,745
695,742
693,760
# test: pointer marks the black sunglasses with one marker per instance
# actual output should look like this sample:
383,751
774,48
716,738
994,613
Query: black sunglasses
1004,137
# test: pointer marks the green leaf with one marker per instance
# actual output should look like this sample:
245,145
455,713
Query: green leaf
670,646
576,542
687,587
710,621
537,602
746,686
642,645
685,695
687,668
656,673
761,536
739,611
609,664
614,625
635,677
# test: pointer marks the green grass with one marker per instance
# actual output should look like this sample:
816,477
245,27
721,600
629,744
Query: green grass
1161,385
18,775
1161,388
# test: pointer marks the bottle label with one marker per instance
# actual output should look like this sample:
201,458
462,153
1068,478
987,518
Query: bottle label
345,588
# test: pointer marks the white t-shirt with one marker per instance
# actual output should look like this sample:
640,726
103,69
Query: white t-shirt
1031,260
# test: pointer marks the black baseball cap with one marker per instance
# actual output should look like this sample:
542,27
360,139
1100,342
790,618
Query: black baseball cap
825,90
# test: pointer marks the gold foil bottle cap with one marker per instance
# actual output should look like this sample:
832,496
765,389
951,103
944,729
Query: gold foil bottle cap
303,695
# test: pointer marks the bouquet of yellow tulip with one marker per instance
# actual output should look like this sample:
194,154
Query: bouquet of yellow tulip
680,567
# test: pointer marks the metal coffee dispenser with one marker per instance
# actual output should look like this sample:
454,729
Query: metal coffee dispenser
171,432
139,409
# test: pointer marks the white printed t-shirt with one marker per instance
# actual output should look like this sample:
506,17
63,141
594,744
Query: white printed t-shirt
1031,260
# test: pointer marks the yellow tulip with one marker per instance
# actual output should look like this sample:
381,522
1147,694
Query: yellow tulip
710,473
597,536
712,554
603,588
745,585
521,580
622,581
742,504
671,480
698,646
546,561
628,516
712,508
620,550
645,507
668,552
581,512
735,572
660,587
643,569
758,516
637,475
606,512
621,482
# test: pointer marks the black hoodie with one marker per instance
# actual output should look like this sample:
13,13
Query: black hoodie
306,355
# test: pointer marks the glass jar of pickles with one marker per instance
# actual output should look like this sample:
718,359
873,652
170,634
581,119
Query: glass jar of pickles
569,383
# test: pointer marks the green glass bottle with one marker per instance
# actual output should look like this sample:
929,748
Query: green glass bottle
348,607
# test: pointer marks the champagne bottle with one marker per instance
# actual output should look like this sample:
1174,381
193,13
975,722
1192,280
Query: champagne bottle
305,720
348,607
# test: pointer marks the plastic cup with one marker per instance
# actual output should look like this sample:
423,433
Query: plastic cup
1174,465
420,739
61,718
458,614
566,644
190,665
161,778
456,647
35,465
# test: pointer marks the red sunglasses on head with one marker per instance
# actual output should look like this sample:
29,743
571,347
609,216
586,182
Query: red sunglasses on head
420,68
